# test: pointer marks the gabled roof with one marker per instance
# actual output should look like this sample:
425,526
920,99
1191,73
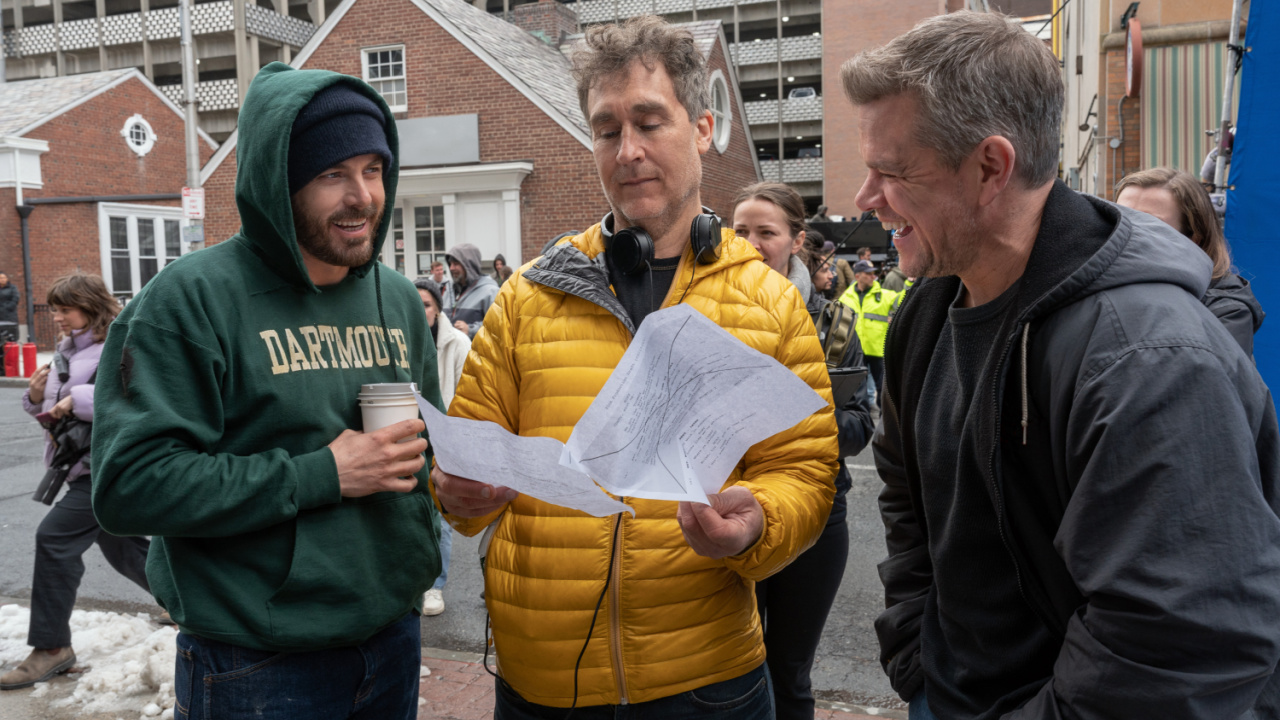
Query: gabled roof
28,104
534,68
539,71
538,65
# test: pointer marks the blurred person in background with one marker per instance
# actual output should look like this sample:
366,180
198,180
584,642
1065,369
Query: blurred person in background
794,603
83,310
1181,202
9,298
473,291
452,346
501,271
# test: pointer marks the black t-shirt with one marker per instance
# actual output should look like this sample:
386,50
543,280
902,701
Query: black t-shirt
983,649
643,292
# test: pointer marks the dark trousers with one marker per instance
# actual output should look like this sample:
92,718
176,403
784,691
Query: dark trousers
64,535
745,697
375,680
876,366
794,605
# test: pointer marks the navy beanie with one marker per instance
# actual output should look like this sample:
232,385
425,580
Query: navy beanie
339,123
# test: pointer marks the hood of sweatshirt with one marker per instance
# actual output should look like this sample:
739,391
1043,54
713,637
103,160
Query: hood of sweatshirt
1236,288
468,256
275,98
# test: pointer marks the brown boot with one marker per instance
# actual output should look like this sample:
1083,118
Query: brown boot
39,666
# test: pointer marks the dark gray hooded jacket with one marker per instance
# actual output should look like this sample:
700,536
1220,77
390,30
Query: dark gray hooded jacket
478,289
1231,300
1133,461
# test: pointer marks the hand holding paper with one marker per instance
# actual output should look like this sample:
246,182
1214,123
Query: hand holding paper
671,423
486,452
731,523
469,498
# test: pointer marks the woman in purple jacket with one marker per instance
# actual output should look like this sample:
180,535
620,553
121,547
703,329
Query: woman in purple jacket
83,309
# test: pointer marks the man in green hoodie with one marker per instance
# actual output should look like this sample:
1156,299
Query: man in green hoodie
291,550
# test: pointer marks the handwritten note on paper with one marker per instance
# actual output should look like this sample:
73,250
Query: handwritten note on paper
683,406
487,452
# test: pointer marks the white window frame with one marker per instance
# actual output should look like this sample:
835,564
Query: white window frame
409,232
148,142
133,214
723,129
376,82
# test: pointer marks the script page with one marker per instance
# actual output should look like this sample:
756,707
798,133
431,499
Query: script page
683,406
486,452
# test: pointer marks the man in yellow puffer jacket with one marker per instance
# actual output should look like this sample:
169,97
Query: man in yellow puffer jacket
658,608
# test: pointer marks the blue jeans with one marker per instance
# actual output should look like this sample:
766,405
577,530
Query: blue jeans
446,546
918,708
375,680
747,697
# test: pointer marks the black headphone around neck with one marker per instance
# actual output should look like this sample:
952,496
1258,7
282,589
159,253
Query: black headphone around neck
630,250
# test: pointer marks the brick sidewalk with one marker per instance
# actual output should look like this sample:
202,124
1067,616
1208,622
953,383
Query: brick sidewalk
459,689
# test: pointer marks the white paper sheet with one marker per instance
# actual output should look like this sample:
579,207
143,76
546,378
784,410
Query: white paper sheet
684,405
486,452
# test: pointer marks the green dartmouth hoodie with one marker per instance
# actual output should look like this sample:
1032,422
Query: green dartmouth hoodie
220,386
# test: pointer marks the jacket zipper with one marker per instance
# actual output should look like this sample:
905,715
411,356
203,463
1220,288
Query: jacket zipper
615,624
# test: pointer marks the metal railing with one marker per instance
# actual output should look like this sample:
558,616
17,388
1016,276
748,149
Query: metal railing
793,170
763,112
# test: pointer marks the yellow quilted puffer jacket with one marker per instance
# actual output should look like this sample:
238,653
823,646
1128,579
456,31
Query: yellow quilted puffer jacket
670,620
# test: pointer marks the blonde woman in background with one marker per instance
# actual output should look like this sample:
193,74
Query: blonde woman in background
452,346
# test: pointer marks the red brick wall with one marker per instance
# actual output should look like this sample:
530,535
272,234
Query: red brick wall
221,218
549,18
849,27
445,78
1128,157
723,175
87,156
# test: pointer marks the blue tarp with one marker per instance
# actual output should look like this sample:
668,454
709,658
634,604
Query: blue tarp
1253,206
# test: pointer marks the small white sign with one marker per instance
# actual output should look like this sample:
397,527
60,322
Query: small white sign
193,203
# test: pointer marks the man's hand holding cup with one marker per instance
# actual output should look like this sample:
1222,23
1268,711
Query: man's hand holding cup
380,461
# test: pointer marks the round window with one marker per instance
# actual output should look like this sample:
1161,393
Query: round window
138,135
721,111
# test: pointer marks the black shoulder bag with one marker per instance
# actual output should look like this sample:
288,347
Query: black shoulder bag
71,439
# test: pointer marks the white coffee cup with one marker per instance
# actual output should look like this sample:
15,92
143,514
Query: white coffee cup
383,404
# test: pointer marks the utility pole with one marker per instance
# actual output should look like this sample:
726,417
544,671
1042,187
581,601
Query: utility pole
777,45
195,231
1228,89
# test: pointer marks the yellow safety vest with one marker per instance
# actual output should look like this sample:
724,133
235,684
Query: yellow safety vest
875,309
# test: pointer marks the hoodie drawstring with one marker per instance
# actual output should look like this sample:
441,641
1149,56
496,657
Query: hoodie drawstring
1026,334
382,319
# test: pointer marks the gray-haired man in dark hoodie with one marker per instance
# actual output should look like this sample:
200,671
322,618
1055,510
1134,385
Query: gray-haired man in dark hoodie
473,291
1081,468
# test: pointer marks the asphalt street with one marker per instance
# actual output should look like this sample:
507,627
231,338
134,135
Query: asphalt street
846,669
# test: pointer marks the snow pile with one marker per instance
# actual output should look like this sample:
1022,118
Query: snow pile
128,661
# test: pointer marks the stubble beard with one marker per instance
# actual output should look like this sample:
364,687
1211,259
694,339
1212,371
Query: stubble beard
313,236
658,224
955,255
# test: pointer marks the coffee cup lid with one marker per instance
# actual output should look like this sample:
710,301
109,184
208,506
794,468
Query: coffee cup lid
388,388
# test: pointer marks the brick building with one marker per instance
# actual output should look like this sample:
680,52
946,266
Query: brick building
1106,133
101,163
495,150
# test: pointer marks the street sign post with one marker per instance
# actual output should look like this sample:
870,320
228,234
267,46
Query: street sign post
193,203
